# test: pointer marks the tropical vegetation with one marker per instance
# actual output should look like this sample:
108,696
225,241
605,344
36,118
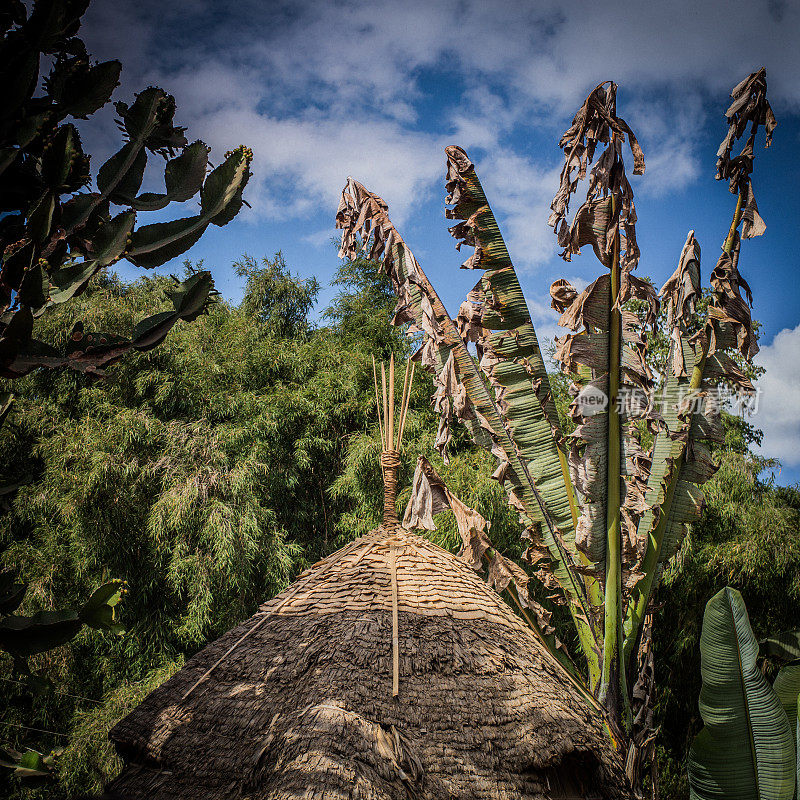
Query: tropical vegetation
605,503
192,480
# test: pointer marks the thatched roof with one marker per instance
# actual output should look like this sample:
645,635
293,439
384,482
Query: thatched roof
303,707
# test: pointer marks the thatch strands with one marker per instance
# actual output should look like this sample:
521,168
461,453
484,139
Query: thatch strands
302,709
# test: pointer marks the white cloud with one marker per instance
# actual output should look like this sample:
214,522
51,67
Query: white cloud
779,400
323,89
301,164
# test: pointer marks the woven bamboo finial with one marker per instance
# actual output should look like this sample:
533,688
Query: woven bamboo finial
391,434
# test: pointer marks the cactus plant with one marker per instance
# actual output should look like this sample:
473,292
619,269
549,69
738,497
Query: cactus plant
59,228
56,232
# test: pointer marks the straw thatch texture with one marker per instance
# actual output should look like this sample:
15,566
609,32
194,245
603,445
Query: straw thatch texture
303,708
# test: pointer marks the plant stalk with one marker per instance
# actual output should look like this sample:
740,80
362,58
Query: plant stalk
652,556
594,591
613,688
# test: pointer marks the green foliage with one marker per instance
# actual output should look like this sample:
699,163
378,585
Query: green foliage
748,539
22,636
278,300
199,472
56,233
746,749
88,760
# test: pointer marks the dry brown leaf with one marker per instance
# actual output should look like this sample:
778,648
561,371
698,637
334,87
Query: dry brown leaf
430,496
749,106
680,293
729,305
597,123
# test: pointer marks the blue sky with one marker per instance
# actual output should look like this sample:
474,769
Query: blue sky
325,89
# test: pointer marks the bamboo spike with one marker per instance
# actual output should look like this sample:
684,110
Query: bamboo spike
402,408
407,400
378,403
395,636
385,406
390,433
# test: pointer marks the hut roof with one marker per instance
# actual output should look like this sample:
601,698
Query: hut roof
303,705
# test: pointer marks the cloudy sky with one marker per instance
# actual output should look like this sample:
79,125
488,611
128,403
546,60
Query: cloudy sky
329,88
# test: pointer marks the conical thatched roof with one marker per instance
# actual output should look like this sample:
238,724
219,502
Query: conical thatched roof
388,671
303,707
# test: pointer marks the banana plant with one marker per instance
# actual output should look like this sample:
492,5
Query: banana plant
56,233
601,512
747,749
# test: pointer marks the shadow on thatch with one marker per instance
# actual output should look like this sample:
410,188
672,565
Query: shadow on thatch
303,707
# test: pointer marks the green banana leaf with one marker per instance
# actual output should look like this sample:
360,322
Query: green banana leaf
666,489
787,687
514,366
785,645
746,750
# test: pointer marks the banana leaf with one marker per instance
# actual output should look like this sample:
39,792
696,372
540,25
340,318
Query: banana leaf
787,687
785,645
500,324
689,411
746,750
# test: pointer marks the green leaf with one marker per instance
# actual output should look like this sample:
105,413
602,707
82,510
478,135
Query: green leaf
99,611
746,750
183,177
24,636
79,207
80,342
154,245
33,769
184,174
15,264
89,90
530,413
30,127
190,298
70,280
111,240
787,687
785,645
40,217
121,176
513,363
35,287
153,330
32,762
221,195
65,167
